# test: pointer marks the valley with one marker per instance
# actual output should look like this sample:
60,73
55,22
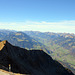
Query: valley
61,46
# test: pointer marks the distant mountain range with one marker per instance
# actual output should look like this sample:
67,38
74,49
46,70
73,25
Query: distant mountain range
61,46
64,40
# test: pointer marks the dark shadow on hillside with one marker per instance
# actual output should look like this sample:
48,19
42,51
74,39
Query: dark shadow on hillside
33,62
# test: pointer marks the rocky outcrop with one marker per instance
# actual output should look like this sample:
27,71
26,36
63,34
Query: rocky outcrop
33,62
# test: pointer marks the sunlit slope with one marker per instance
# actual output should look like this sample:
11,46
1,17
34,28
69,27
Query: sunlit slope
61,44
23,40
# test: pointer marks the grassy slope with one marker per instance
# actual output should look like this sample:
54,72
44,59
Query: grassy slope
59,53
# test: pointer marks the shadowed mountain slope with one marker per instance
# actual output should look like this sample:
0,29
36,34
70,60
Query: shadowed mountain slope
33,62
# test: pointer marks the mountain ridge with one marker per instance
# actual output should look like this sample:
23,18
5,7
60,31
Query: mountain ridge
23,40
33,62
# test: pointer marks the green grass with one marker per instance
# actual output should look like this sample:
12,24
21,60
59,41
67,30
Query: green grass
19,39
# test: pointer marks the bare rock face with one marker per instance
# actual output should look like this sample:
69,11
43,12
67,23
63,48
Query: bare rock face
33,62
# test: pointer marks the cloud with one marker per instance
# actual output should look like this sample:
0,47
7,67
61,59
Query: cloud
63,26
71,22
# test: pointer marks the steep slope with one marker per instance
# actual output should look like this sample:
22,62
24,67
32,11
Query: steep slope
62,45
4,32
65,40
55,40
33,62
23,40
19,39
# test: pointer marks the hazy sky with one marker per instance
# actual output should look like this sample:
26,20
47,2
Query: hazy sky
38,15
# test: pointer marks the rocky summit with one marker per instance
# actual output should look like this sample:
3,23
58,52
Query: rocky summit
32,62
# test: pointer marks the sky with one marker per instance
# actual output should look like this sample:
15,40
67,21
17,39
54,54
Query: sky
38,15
